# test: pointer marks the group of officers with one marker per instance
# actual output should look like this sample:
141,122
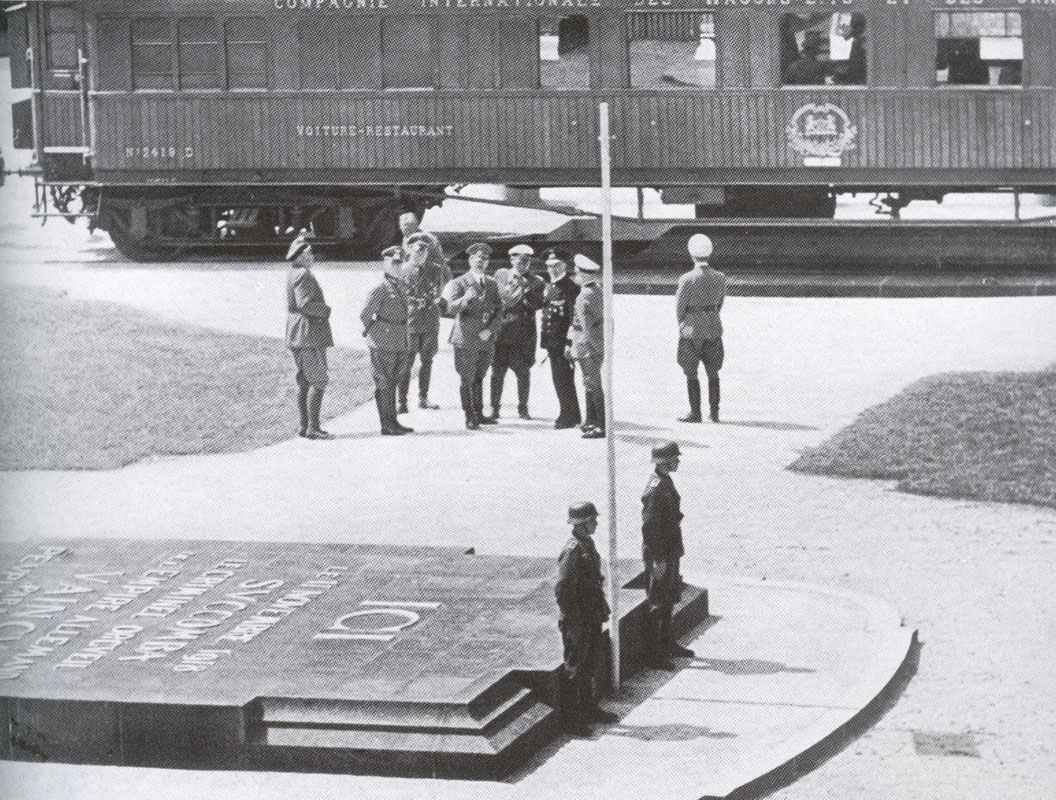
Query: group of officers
494,328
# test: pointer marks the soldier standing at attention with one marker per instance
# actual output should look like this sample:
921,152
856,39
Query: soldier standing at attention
384,318
586,344
559,301
522,295
583,609
427,276
307,335
474,300
661,551
698,302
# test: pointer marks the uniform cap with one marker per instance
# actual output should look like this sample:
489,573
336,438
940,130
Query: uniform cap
421,236
581,512
392,252
699,246
299,244
666,450
479,247
584,264
557,254
521,250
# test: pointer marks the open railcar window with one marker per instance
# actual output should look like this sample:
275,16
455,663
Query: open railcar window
152,54
823,49
671,49
564,52
979,48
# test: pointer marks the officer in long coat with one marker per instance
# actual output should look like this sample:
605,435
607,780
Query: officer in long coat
586,344
427,274
473,298
583,609
662,550
308,335
559,302
698,301
522,296
384,318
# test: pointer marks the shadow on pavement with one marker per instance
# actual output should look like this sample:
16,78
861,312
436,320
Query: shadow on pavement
745,666
652,441
676,732
770,426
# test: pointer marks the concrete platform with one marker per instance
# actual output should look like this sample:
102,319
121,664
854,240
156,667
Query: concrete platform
780,673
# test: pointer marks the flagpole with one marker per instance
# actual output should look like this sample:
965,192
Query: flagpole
610,420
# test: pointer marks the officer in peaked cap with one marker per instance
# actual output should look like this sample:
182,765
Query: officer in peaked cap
586,343
661,551
384,318
583,609
522,296
308,334
698,301
559,302
426,274
473,298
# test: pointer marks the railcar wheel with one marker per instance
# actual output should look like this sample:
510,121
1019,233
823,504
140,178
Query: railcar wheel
143,250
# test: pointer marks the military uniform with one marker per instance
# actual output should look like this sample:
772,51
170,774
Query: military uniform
384,318
698,301
522,296
583,608
476,305
559,300
661,550
308,335
424,286
586,339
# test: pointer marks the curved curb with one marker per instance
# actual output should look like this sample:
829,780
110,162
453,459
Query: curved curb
878,685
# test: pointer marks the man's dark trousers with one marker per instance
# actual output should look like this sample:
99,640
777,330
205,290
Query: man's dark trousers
472,365
564,385
386,366
583,646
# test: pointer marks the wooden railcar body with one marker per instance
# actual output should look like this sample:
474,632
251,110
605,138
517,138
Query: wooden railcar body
322,114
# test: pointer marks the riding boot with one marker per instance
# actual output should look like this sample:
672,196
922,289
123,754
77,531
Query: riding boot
713,397
315,408
425,371
693,389
498,378
524,386
302,407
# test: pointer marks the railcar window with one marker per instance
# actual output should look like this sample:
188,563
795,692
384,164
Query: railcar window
339,55
823,48
564,52
246,43
61,37
671,49
409,48
979,48
200,53
152,54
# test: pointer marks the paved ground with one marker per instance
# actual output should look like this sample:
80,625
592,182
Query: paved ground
974,578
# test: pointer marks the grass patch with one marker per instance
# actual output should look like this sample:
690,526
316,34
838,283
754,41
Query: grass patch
977,435
100,385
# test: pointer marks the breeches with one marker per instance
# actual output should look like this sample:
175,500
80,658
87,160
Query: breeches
709,353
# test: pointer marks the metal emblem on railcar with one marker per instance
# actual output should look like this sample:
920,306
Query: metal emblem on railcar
820,130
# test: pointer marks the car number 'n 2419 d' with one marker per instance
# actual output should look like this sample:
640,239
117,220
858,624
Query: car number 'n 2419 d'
155,152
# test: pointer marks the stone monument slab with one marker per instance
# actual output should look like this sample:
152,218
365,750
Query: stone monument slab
215,654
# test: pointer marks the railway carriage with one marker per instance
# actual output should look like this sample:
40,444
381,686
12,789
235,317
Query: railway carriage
178,122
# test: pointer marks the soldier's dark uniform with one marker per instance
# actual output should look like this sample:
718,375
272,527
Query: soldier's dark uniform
384,318
583,609
308,336
661,550
559,301
515,343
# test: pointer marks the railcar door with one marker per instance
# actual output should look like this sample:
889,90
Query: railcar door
60,74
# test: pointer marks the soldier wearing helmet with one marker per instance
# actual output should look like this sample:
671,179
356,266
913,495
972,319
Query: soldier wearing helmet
583,608
662,550
698,302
